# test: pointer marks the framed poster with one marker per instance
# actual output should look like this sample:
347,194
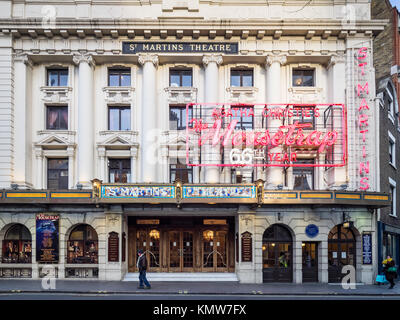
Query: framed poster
47,238
367,248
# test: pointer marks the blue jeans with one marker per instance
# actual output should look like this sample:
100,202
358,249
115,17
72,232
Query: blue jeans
142,278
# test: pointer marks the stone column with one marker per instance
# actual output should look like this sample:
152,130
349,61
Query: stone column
39,167
22,121
85,166
273,65
297,262
133,165
148,135
71,166
323,257
102,164
211,154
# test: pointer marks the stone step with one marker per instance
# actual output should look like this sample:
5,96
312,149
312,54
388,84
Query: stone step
185,276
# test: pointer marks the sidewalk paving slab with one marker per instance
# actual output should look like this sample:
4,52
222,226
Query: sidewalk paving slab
209,288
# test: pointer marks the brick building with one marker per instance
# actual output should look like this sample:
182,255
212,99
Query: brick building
387,69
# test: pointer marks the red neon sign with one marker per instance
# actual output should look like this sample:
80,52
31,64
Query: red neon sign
265,135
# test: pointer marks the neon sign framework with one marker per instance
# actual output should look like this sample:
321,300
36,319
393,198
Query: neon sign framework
266,135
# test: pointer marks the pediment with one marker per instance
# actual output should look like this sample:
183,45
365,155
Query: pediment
53,140
116,140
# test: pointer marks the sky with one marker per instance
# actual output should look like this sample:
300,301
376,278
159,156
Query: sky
396,3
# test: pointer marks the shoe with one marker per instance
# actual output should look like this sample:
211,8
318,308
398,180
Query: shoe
148,287
140,287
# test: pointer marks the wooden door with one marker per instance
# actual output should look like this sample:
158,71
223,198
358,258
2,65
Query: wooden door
214,246
180,251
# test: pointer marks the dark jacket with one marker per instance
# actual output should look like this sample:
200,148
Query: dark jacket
142,265
390,275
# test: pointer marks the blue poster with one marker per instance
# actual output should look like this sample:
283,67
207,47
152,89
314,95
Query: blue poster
47,238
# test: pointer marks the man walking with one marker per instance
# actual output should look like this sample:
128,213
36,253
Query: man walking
142,266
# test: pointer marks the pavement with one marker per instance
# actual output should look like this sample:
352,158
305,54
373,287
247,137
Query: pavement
196,288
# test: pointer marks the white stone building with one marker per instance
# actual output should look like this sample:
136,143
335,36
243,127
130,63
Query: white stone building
76,105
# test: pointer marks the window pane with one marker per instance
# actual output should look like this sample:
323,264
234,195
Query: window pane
235,79
174,80
63,116
113,80
113,119
125,80
52,118
64,78
187,79
173,118
52,78
248,80
126,119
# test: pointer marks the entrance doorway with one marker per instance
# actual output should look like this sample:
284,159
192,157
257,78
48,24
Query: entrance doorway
341,252
277,254
310,261
183,244
180,251
214,250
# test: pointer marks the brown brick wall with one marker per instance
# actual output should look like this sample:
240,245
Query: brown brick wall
383,43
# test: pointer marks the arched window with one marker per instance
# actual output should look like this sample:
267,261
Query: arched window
277,254
17,245
83,245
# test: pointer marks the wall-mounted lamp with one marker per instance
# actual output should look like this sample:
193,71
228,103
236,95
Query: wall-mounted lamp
279,186
14,186
346,221
79,186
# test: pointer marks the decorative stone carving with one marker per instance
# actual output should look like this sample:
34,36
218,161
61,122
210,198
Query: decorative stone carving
143,58
337,58
275,59
24,59
86,58
56,94
305,94
118,94
242,94
212,58
181,95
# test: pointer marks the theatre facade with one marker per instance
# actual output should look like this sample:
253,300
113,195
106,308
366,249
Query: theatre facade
238,148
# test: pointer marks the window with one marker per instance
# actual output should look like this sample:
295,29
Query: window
57,174
392,186
392,149
304,115
120,77
180,171
390,245
180,77
303,78
119,118
17,245
177,117
303,176
244,116
389,101
57,118
82,245
119,170
57,77
241,78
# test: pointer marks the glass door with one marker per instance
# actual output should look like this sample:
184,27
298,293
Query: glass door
180,251
148,240
310,261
